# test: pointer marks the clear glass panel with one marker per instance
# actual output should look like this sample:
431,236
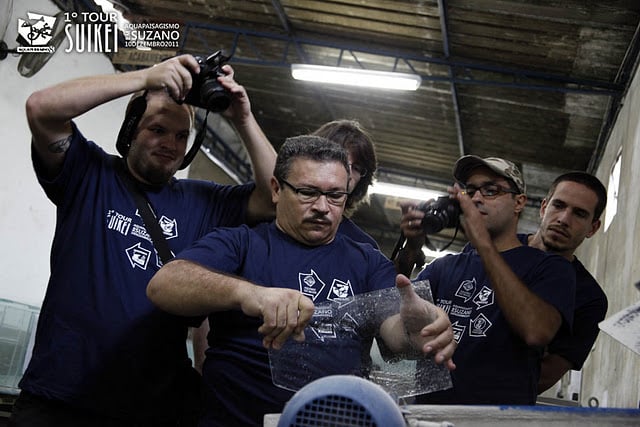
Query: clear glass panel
340,341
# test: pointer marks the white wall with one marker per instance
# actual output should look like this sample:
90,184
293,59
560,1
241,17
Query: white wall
611,375
27,217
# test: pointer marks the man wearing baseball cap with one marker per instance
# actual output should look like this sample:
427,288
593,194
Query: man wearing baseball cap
466,164
505,301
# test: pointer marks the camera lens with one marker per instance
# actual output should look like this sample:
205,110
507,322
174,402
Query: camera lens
213,96
441,213
434,222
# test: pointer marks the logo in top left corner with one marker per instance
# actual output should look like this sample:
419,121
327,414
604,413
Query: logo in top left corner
35,33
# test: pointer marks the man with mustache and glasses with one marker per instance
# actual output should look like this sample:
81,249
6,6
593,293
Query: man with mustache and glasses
259,287
506,301
363,165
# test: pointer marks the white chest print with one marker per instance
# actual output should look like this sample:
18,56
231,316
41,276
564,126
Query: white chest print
169,227
340,290
484,297
466,289
138,256
310,284
118,222
479,326
458,331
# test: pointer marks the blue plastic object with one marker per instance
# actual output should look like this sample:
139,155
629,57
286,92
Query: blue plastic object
341,400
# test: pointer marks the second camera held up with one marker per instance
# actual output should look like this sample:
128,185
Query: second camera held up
440,213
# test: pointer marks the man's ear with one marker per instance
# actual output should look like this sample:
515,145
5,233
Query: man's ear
275,190
521,201
595,226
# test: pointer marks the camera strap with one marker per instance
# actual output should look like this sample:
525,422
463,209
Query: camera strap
406,260
197,142
429,244
145,209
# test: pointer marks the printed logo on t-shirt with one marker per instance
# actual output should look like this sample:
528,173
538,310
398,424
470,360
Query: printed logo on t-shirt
325,327
340,290
310,284
444,304
479,326
169,227
460,311
138,256
138,230
466,289
484,297
118,222
322,324
458,331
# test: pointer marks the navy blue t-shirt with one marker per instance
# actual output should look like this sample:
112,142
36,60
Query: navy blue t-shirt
493,364
590,309
100,343
239,387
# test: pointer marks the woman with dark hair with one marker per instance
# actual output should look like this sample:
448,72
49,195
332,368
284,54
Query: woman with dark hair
363,163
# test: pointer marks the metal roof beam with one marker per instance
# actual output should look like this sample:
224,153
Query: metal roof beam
557,83
442,6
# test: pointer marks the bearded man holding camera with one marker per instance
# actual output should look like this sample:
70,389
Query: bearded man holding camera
103,354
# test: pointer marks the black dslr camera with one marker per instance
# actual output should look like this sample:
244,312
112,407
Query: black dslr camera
440,213
206,91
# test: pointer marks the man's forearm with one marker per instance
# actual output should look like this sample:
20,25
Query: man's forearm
263,160
533,319
260,150
188,289
50,111
552,369
64,101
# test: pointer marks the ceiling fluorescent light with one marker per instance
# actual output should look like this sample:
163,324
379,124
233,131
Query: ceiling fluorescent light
403,191
356,77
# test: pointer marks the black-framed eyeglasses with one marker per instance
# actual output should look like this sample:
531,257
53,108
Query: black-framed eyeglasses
310,195
488,190
361,170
